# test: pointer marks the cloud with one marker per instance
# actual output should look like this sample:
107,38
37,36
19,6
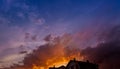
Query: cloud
47,54
11,59
21,15
40,21
106,53
4,20
66,44
35,18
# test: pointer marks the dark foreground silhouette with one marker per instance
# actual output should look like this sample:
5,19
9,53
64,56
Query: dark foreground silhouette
74,64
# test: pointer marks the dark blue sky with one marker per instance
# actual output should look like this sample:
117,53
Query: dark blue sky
43,17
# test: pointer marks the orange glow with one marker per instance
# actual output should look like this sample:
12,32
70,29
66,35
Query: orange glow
60,55
37,67
57,62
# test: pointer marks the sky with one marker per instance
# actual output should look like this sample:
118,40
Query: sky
25,23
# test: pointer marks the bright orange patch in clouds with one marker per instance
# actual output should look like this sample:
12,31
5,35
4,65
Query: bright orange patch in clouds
62,61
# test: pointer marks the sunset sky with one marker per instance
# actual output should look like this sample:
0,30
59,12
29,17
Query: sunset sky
25,23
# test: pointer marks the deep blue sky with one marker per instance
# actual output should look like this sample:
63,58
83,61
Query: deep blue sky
42,17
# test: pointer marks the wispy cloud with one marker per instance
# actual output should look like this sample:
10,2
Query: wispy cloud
4,20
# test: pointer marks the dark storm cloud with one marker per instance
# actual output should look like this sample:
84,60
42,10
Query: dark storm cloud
106,53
